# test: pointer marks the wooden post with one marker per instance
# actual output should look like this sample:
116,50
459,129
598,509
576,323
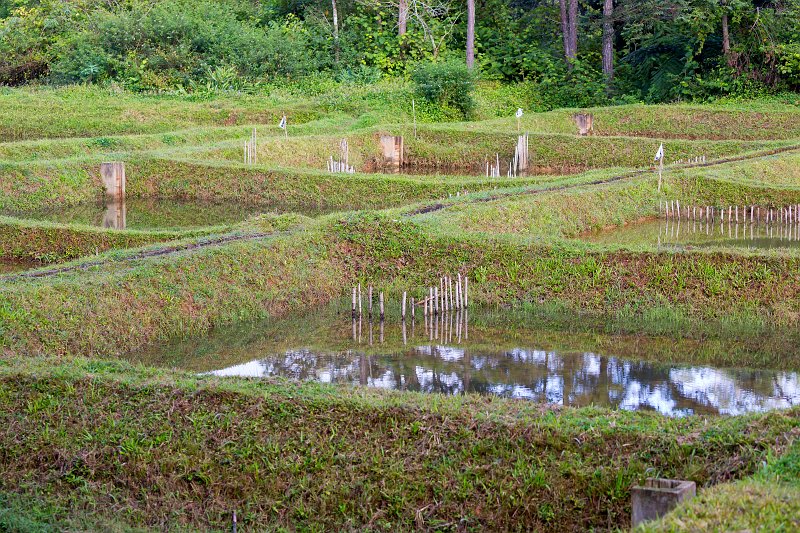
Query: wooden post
466,292
380,297
435,295
413,311
403,310
354,303
369,296
660,172
450,291
360,314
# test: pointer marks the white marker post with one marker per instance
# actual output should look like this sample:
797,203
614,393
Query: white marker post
283,125
519,116
660,158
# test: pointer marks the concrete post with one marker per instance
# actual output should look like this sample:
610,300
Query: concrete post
113,176
657,497
585,123
393,151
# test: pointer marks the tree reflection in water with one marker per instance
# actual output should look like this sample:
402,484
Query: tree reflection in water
568,378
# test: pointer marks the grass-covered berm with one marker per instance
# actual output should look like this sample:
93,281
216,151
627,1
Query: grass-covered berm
115,305
90,444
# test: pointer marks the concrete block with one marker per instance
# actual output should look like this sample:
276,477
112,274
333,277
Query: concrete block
393,151
657,497
113,176
585,123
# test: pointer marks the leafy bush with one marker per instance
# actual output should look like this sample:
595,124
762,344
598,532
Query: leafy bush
447,84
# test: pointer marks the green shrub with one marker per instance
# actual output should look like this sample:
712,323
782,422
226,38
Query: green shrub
447,84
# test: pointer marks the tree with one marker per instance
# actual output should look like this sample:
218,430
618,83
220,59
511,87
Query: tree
335,31
470,33
608,41
569,28
402,17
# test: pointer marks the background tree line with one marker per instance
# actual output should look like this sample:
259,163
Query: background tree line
580,52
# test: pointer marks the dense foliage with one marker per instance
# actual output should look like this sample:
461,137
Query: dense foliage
663,50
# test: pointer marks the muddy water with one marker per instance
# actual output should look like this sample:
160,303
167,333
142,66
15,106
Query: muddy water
148,214
456,355
683,234
9,266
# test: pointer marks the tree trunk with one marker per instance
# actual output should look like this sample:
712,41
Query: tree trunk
402,20
726,39
335,31
565,29
470,34
573,28
608,41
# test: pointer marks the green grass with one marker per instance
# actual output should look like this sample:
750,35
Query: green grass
151,448
769,501
88,442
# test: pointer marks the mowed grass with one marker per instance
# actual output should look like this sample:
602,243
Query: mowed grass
152,448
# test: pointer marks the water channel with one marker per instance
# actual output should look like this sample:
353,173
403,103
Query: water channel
459,354
696,234
153,214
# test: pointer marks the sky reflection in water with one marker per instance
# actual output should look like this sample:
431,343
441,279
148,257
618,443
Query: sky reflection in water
567,378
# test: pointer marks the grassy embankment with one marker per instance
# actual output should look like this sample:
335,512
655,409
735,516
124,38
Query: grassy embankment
127,303
104,444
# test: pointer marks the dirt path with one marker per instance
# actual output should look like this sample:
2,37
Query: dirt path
216,241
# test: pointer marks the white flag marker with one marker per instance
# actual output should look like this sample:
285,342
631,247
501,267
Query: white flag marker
660,153
660,158
282,125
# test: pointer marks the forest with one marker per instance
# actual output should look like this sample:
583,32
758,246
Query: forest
557,52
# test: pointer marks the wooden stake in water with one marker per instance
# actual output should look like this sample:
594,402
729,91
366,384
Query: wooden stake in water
369,297
403,309
354,303
466,292
413,311
380,297
450,283
360,314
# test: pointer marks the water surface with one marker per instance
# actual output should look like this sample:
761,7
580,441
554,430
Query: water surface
151,214
454,355
9,266
688,234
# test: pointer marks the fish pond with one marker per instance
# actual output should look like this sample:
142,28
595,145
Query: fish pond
695,234
154,214
483,353
10,266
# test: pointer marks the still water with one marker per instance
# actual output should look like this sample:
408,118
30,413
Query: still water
696,234
9,266
454,355
151,214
